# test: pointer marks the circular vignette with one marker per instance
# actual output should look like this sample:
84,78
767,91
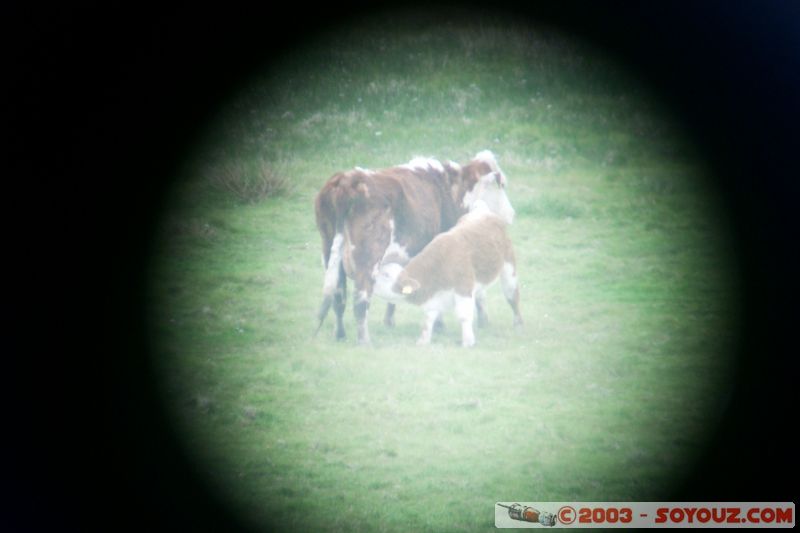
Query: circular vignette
629,286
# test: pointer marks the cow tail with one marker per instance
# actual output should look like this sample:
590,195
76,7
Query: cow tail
327,300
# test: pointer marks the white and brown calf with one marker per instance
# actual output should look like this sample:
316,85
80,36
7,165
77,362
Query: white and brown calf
453,270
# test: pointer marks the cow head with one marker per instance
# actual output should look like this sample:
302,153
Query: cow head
482,182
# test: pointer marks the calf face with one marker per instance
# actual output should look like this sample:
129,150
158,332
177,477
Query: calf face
386,283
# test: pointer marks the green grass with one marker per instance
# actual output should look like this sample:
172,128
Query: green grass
628,296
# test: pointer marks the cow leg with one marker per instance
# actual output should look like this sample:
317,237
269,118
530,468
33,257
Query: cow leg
431,317
388,318
339,303
508,279
334,288
360,310
465,310
480,307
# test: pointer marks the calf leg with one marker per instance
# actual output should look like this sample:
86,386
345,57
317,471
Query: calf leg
465,309
431,317
508,278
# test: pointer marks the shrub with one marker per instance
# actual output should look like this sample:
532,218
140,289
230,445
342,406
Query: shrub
249,181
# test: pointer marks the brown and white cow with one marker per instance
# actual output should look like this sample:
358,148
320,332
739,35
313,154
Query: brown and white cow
368,217
454,271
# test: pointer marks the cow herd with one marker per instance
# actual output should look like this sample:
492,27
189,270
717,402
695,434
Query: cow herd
426,232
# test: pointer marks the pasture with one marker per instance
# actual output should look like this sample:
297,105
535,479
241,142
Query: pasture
627,291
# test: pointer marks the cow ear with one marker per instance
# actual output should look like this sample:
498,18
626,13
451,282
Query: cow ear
452,171
495,178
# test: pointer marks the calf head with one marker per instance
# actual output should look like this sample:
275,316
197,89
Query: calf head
393,284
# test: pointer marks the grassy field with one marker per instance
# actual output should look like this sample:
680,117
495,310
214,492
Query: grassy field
627,292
